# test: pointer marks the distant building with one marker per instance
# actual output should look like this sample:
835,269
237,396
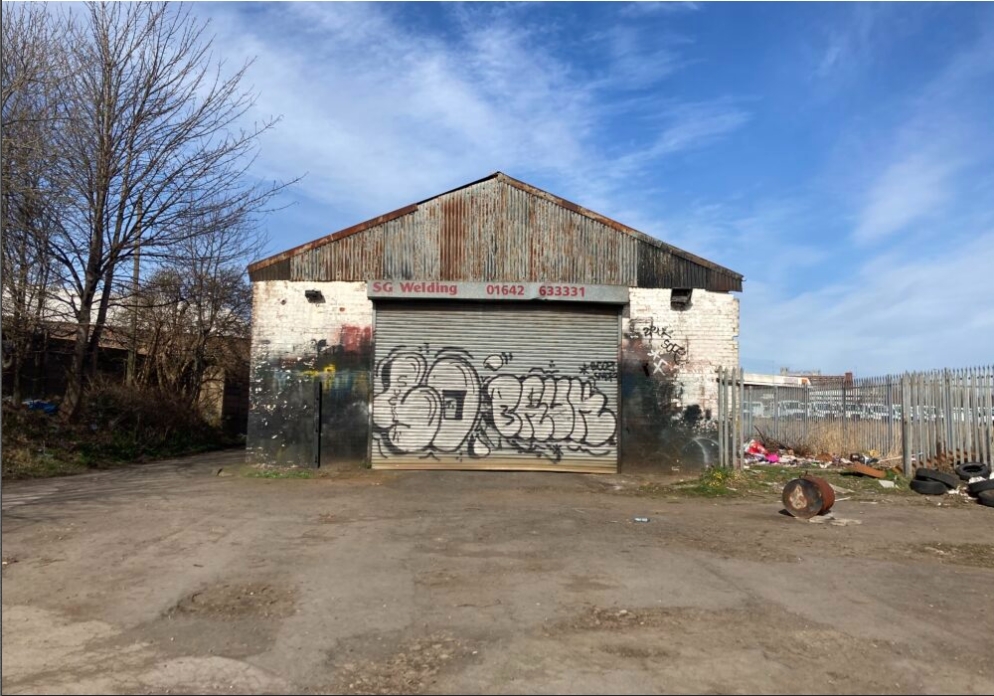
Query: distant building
816,379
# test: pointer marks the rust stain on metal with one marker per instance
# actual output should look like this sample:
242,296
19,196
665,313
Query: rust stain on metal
335,237
808,496
497,229
865,470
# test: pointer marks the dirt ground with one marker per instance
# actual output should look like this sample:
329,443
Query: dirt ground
168,578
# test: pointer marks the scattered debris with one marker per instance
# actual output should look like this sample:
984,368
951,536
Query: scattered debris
936,482
981,487
640,519
886,484
866,470
771,452
830,518
976,487
755,448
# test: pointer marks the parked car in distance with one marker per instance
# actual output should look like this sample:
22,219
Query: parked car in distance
854,411
756,408
822,409
876,411
791,408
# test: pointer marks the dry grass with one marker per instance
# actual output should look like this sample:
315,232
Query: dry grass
828,438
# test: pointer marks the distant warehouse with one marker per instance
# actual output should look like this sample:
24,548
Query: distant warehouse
495,326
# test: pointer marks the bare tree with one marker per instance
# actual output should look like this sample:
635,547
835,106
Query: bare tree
154,118
194,312
29,206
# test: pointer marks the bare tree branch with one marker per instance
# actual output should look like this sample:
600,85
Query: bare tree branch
152,117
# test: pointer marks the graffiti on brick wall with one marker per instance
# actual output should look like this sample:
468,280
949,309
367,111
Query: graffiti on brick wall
435,401
665,353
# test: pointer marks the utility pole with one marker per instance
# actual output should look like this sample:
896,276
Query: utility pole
133,348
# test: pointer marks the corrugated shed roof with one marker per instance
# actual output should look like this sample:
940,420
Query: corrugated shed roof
496,229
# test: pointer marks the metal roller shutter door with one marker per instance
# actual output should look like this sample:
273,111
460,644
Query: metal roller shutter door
496,386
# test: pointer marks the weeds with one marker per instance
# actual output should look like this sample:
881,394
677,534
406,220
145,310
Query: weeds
117,425
271,472
766,480
711,483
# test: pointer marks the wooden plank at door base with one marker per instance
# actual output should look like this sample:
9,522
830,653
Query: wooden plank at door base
496,465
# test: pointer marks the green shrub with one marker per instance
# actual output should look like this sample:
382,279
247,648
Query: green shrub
116,424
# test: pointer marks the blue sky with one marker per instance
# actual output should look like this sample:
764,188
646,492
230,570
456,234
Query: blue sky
840,156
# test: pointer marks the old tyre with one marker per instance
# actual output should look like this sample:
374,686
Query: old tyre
970,469
978,487
986,498
927,487
942,477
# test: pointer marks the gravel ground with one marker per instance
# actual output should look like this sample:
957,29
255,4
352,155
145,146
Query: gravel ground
168,578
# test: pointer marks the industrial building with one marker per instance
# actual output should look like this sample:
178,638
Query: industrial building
494,326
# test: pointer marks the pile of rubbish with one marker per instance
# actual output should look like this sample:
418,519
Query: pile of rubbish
972,479
755,452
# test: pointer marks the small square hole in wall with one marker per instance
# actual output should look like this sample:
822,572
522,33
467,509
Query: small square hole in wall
313,295
680,298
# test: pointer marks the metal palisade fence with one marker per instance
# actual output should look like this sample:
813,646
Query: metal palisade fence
939,417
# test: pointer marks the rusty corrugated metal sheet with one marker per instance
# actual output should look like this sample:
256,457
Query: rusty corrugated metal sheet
497,229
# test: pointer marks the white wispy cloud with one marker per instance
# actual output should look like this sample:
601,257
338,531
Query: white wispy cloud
907,191
642,9
677,128
945,135
377,123
850,45
635,59
382,122
696,125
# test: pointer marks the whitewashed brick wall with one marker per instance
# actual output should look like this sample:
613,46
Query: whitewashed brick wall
284,323
708,329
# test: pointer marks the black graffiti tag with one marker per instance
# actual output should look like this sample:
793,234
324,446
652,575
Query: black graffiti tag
670,346
604,369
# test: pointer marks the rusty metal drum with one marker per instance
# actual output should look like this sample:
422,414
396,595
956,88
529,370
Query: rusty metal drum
808,496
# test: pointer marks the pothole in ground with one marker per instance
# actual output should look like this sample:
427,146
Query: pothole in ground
237,601
977,555
410,666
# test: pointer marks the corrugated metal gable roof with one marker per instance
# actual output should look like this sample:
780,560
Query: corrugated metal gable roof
496,229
